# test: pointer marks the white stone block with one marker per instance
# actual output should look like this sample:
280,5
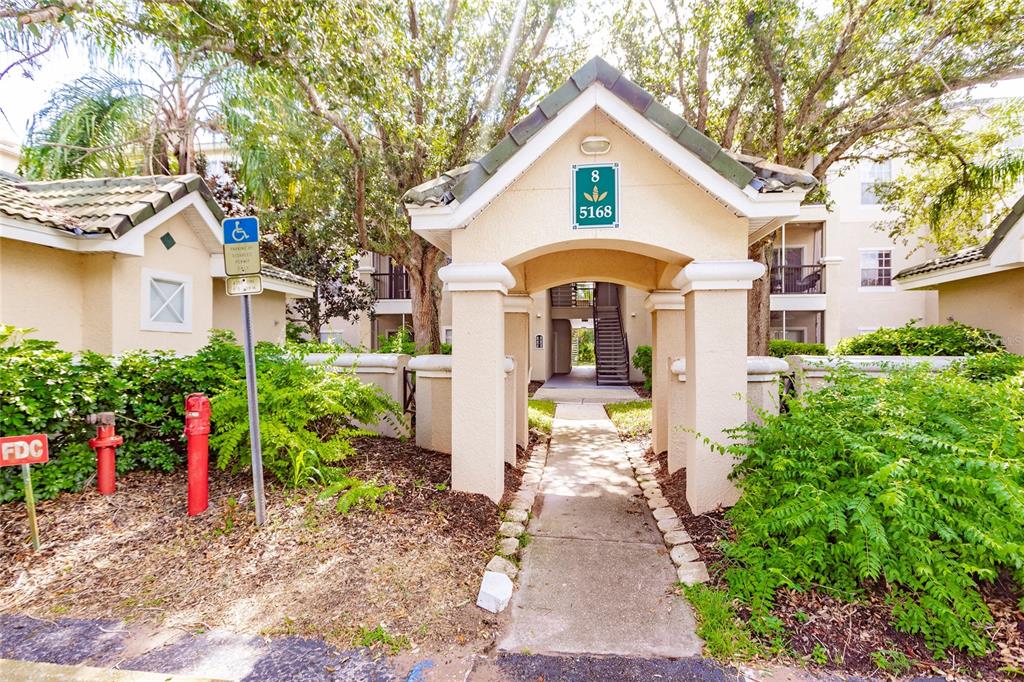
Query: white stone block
666,525
516,516
495,592
683,554
677,537
657,503
499,564
692,573
665,513
508,546
510,529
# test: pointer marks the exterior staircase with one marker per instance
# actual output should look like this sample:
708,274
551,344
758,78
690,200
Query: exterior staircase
610,343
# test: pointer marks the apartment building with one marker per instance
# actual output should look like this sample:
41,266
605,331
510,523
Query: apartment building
831,277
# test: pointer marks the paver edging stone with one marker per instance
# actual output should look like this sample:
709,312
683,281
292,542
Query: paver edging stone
689,569
512,528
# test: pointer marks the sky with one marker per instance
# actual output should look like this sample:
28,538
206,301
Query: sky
21,98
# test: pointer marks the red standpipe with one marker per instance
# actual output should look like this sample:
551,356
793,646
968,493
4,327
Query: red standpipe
105,444
197,431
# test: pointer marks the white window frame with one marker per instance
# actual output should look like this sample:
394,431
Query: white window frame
860,270
870,178
146,321
445,331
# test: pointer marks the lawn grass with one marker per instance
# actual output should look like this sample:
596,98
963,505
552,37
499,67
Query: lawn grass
724,635
541,415
632,418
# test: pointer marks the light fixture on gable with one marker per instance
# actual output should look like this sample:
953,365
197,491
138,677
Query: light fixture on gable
595,145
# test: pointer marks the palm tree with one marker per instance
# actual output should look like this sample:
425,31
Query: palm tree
105,124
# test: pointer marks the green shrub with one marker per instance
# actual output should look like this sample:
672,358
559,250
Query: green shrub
585,346
402,342
780,348
307,416
913,483
642,361
990,366
947,339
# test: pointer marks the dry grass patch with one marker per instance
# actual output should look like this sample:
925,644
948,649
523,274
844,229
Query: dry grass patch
409,569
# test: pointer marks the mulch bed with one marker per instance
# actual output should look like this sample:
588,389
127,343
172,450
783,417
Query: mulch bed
413,564
534,385
641,391
851,632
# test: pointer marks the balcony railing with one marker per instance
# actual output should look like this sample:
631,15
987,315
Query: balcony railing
576,295
798,279
391,285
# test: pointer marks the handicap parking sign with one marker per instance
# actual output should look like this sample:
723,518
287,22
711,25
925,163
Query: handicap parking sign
241,246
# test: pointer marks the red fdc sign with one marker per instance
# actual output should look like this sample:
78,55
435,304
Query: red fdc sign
24,450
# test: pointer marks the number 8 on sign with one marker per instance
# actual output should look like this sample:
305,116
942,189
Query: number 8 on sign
595,190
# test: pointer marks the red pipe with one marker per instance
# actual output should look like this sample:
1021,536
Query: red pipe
105,444
197,430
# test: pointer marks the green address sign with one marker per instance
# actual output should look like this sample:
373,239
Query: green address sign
595,192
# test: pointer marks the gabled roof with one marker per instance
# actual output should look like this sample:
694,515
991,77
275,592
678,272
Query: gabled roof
973,254
100,206
739,169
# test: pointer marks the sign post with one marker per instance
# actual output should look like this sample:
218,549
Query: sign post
242,265
23,451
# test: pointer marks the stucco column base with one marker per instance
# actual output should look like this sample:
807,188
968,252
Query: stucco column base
667,338
478,375
517,346
763,390
833,330
433,401
715,294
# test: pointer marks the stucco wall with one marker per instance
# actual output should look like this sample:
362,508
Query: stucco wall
850,228
994,302
637,322
41,288
268,314
540,324
663,214
188,257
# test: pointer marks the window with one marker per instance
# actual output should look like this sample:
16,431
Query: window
446,335
876,268
166,302
876,172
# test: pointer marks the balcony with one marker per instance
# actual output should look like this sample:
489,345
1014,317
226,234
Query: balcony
391,285
797,279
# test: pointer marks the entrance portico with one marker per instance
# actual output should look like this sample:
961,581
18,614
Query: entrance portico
684,213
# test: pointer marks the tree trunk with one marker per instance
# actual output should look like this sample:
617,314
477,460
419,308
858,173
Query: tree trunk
421,263
759,301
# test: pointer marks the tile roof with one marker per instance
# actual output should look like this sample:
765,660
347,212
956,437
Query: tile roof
971,255
111,205
285,275
739,169
17,202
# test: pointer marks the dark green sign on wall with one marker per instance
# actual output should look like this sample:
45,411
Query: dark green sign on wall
595,192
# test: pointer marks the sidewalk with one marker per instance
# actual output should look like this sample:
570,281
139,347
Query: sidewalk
596,577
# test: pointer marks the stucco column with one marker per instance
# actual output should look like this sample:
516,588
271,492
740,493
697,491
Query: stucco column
433,401
833,305
364,322
478,375
667,339
517,346
677,438
715,293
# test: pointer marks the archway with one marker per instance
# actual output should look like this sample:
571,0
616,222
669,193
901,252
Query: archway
663,209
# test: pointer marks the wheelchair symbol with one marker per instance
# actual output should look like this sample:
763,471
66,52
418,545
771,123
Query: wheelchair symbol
239,234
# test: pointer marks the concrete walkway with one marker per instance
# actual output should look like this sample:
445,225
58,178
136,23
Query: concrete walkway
596,577
580,386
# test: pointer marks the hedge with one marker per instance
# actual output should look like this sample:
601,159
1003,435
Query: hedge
947,339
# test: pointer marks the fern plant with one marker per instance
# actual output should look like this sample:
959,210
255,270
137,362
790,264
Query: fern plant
913,483
308,416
